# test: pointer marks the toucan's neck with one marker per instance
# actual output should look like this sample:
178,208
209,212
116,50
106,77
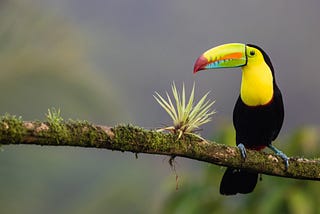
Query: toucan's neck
257,84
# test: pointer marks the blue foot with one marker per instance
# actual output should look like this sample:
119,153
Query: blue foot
281,154
242,150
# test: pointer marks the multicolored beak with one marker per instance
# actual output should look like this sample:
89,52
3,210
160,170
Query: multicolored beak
224,56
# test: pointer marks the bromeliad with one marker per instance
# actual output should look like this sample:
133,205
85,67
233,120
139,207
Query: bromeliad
187,116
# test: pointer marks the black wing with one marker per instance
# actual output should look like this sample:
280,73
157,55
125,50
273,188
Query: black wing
278,111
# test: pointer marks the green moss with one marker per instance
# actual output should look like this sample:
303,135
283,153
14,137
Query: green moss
12,129
136,139
72,133
85,134
54,116
56,129
124,137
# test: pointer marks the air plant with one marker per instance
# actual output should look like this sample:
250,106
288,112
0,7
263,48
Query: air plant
187,116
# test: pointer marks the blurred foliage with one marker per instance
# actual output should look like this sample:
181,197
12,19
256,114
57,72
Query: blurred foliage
272,194
44,63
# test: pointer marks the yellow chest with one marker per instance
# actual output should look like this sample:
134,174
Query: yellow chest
256,85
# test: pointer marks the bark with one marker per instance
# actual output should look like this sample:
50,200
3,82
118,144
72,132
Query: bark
138,140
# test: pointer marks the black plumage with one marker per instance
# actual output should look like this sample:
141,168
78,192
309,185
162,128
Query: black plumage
256,127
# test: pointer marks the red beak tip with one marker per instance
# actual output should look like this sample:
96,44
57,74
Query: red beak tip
200,64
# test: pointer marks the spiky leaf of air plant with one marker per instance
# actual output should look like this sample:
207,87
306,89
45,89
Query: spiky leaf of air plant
187,116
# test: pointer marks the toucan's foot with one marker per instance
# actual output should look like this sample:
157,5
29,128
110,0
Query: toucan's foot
281,154
242,150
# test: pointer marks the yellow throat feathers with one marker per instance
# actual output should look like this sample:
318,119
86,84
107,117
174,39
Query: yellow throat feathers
256,84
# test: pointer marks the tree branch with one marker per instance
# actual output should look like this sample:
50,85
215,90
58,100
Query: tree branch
137,140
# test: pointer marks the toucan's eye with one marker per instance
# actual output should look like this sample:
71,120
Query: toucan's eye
252,53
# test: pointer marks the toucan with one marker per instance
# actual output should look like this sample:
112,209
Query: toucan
258,113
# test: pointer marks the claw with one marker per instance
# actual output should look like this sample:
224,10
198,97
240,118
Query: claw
281,154
242,150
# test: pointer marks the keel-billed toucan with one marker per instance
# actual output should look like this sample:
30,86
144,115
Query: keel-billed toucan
258,113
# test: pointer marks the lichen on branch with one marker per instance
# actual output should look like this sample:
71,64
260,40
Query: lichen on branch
13,130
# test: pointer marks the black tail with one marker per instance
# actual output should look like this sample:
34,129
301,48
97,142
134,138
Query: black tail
237,181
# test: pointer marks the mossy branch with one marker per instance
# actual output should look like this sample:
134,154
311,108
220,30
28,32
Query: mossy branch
137,140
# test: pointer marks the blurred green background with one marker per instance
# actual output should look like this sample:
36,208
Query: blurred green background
102,61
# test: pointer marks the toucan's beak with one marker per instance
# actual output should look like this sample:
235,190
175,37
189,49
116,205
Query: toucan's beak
223,56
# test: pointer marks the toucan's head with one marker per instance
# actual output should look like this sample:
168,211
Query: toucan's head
231,55
257,77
